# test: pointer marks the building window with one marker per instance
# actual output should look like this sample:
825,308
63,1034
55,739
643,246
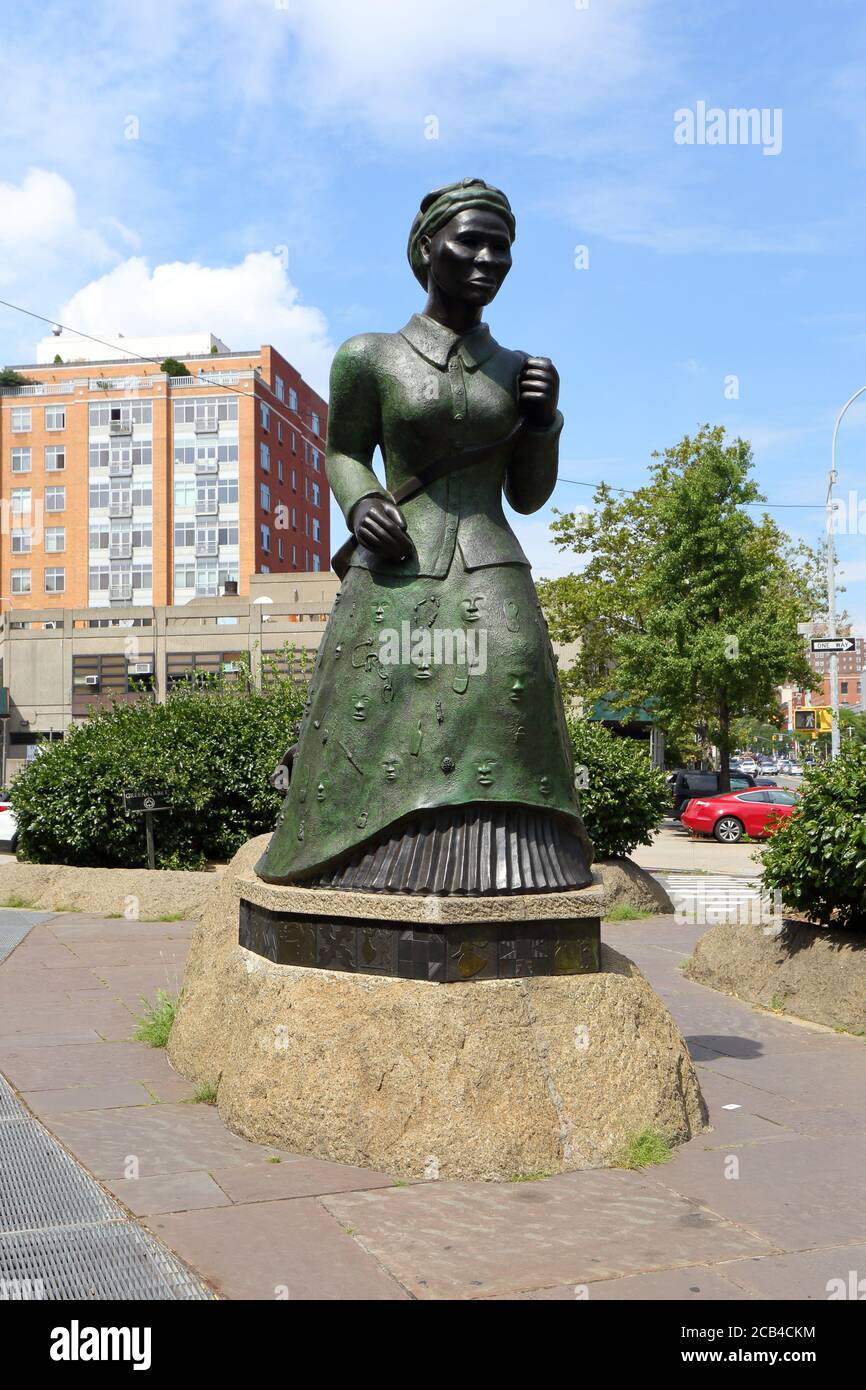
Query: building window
306,523
279,431
55,581
266,416
317,495
279,388
21,581
204,411
294,481
265,497
99,577
22,540
280,547
55,417
184,492
55,499
315,423
295,556
294,442
279,470
316,564
55,458
21,419
266,538
184,533
316,465
227,491
316,529
184,575
21,500
120,413
265,458
307,489
229,535
294,518
293,398
55,539
20,460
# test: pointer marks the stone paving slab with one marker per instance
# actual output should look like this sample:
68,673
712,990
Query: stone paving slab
303,1177
174,1192
277,1250
806,1274
470,1240
693,1284
795,1193
71,1098
162,1138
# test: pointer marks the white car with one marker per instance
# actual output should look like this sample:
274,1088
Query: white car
749,765
8,825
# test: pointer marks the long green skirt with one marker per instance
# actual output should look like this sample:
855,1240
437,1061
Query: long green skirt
433,755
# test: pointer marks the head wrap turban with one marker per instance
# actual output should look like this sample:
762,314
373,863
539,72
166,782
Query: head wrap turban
444,203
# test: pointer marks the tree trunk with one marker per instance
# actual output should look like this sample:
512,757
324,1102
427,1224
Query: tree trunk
724,747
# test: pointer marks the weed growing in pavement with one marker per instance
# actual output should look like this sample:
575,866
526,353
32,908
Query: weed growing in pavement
644,1150
155,1024
624,912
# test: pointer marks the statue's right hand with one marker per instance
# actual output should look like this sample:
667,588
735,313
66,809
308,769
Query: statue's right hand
380,526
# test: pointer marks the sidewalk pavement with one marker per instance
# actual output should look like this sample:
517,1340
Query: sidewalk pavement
769,1204
674,850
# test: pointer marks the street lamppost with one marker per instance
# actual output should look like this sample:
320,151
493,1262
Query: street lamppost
831,581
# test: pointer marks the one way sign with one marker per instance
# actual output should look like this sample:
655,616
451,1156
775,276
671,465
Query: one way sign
833,644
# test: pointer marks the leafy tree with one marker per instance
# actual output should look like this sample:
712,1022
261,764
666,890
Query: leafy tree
817,858
622,796
684,597
172,367
9,377
209,750
58,360
853,725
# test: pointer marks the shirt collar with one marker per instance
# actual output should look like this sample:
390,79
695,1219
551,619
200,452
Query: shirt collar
436,343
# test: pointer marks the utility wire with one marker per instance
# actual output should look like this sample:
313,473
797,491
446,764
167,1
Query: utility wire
136,357
236,391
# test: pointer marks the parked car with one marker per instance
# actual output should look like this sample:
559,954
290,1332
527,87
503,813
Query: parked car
688,784
8,824
748,765
756,813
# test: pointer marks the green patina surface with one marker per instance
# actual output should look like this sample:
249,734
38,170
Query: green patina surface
472,711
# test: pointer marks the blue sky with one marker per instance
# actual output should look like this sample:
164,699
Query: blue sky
252,167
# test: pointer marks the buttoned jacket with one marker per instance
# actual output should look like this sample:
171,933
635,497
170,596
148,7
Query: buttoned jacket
421,395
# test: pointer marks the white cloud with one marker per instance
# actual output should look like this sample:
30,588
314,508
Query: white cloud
491,65
40,228
245,305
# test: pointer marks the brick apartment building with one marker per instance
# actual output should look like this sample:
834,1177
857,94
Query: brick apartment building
120,485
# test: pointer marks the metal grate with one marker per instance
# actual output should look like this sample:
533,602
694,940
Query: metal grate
62,1235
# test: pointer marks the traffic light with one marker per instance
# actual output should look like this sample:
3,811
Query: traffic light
813,720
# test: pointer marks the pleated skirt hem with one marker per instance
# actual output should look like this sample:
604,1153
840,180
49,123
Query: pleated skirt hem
467,850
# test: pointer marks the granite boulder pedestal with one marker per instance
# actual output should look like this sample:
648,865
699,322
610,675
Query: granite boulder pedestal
403,1033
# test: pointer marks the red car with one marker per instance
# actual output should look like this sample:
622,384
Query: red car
755,813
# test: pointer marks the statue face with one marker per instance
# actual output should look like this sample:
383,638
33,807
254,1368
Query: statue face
470,256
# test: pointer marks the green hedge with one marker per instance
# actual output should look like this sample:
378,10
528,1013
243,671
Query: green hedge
817,858
625,797
209,750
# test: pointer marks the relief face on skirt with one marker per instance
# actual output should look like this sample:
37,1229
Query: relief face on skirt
426,693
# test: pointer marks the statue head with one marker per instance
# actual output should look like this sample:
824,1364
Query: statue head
460,241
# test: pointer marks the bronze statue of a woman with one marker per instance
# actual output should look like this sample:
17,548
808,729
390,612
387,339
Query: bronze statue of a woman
433,756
